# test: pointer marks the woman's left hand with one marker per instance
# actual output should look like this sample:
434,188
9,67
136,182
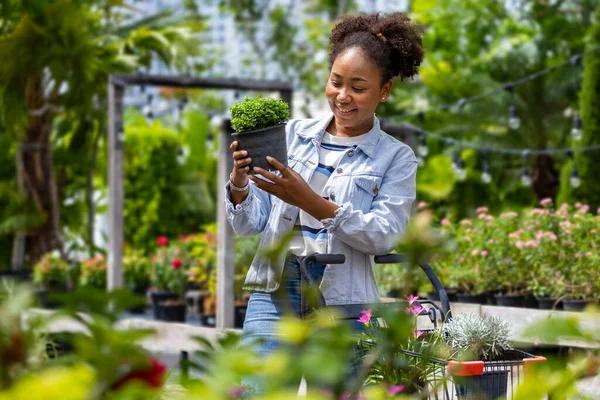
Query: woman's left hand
289,187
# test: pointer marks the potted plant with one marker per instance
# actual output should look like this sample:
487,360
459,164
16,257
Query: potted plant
50,275
176,277
136,273
470,337
93,273
259,125
162,262
203,273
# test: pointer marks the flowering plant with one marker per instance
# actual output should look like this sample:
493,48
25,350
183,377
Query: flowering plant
166,258
50,272
136,271
203,251
546,251
93,272
395,366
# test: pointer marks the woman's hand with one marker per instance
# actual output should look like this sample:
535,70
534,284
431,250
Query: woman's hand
293,189
241,165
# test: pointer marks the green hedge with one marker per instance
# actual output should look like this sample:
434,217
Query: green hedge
589,108
156,199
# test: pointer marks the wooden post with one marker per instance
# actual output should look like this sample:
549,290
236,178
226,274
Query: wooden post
116,178
225,236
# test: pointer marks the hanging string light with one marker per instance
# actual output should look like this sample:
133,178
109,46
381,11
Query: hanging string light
422,149
458,166
514,122
574,179
486,176
577,129
525,178
147,109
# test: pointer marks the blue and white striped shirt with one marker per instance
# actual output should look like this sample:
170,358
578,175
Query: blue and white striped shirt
309,233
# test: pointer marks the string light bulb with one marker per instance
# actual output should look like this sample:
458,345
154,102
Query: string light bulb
458,167
486,177
147,109
576,130
575,180
525,178
422,148
514,122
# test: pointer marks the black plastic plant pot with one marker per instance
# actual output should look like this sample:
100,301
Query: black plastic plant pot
433,296
549,303
489,386
158,297
480,298
48,297
172,311
209,320
240,316
261,143
140,309
510,301
575,304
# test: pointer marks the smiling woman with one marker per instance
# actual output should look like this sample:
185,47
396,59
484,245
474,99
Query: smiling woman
348,187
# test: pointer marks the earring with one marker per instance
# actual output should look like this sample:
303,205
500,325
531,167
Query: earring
383,99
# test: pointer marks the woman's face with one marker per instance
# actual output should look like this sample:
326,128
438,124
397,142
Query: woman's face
354,90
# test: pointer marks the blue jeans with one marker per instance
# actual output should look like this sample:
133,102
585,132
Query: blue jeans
266,309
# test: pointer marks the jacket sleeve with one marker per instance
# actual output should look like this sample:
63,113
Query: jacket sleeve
250,216
377,232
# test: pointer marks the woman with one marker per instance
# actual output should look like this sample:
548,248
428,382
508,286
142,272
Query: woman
348,186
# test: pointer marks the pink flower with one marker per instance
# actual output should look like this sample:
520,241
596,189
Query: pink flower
416,309
484,253
519,244
481,210
489,218
492,241
578,204
162,241
417,333
176,263
577,255
460,260
546,202
588,254
445,222
552,237
467,239
509,214
366,316
394,389
481,216
466,222
411,299
598,210
583,209
236,392
475,253
421,205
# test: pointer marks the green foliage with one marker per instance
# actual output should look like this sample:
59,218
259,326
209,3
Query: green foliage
50,272
589,108
93,273
257,113
154,201
136,270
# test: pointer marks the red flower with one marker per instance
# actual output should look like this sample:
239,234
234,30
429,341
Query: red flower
176,263
153,375
162,241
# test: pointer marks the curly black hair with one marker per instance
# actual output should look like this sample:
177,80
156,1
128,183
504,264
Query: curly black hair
391,41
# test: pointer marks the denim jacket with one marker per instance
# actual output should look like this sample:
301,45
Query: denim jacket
374,187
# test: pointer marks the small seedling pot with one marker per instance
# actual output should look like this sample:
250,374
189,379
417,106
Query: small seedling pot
261,143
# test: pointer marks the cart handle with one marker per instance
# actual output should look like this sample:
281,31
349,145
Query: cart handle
393,258
396,258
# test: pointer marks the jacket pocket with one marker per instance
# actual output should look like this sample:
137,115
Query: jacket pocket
367,186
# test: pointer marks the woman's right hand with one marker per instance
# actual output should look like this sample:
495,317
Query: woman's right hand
241,165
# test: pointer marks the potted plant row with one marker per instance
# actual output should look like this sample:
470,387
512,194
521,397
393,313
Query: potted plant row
546,257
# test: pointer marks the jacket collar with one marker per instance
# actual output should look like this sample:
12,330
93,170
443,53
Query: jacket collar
368,144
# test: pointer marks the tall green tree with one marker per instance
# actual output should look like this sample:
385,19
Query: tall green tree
473,46
57,56
589,107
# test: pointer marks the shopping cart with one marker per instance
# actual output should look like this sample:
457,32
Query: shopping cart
446,379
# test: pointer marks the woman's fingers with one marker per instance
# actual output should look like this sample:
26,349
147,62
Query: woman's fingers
239,163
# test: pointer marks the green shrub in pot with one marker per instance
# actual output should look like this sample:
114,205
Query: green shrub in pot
259,125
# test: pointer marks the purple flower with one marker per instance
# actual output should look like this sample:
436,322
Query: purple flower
546,202
394,389
236,392
366,316
417,333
